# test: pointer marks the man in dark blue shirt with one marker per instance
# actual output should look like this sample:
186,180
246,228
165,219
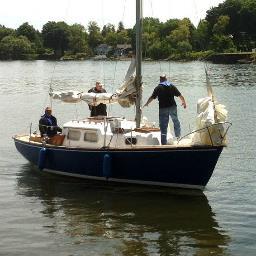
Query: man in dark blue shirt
101,109
48,124
165,92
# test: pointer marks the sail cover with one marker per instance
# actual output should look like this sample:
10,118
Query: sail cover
124,95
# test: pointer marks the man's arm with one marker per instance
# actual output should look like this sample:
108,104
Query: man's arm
183,102
55,124
150,99
42,126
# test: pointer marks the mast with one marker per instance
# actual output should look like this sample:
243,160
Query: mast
138,80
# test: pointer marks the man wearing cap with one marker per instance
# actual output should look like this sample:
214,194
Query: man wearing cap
165,92
48,124
101,109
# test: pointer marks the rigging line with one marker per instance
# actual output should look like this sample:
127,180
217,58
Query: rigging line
80,104
124,9
112,87
114,78
102,13
148,28
55,63
103,71
160,67
196,12
51,82
67,9
102,24
76,112
210,91
169,70
151,5
45,101
50,90
122,18
109,110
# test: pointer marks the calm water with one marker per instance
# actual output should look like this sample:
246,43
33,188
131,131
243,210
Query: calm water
41,214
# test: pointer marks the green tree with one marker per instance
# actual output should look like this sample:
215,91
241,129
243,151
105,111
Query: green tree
78,40
220,27
167,27
111,39
56,36
12,47
150,41
184,47
200,36
109,28
222,43
151,25
159,50
123,38
150,37
247,25
28,31
181,33
242,14
94,38
120,26
180,38
32,35
5,32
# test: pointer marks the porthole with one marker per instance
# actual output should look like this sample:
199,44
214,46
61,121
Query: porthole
74,135
90,136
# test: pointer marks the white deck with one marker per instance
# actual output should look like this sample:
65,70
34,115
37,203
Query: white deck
108,132
117,133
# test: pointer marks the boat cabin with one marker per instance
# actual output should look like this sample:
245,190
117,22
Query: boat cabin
114,132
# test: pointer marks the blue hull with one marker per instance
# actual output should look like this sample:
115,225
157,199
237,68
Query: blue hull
175,167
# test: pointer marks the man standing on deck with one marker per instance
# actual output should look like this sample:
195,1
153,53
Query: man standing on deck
101,109
165,92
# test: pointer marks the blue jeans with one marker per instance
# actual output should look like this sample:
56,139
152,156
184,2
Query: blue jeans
164,114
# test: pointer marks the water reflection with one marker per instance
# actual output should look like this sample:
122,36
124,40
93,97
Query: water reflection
233,75
133,220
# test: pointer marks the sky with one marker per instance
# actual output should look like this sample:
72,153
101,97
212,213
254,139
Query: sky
13,13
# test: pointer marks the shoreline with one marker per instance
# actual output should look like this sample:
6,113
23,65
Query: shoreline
216,58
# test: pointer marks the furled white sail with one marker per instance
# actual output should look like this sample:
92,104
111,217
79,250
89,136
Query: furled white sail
124,95
95,99
210,119
66,96
209,122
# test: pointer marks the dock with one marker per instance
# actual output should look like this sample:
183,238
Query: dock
233,58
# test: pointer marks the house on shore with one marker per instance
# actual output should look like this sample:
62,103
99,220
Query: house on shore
124,50
103,49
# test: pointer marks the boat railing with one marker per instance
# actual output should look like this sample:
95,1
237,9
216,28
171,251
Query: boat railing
209,133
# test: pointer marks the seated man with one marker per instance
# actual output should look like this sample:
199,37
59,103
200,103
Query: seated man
48,124
101,109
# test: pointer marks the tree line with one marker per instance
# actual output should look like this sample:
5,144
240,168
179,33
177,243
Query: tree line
229,27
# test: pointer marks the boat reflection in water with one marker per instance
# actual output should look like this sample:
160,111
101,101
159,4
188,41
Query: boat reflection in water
123,219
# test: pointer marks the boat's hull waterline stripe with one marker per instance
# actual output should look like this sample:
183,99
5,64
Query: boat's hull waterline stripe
139,182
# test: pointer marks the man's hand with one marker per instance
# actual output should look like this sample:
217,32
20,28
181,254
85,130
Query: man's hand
184,104
148,101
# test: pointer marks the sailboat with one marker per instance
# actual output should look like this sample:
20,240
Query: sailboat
114,149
